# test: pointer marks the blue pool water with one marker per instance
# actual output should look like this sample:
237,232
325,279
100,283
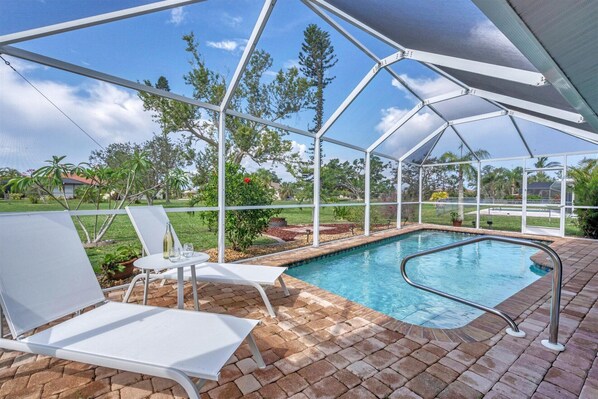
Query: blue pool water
487,272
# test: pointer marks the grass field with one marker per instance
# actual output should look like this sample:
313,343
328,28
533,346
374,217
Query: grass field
191,228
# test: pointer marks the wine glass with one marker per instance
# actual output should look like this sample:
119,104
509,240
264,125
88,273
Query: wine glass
174,255
188,250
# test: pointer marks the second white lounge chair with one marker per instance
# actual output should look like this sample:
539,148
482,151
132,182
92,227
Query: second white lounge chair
150,224
45,275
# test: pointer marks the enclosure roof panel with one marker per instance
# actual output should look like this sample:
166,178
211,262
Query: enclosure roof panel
456,28
462,30
568,31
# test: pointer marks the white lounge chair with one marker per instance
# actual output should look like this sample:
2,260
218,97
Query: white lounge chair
45,275
150,224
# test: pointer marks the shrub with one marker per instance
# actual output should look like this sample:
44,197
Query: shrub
341,212
112,262
241,227
439,195
586,193
15,196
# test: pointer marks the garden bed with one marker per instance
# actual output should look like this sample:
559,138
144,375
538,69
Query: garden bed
290,232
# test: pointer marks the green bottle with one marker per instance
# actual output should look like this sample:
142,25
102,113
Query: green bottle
167,242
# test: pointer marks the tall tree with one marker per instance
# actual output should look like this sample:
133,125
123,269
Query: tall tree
541,163
287,94
168,158
316,58
464,171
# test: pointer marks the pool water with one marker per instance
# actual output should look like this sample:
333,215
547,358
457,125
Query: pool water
487,272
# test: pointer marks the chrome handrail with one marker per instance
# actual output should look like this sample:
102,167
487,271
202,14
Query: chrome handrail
557,280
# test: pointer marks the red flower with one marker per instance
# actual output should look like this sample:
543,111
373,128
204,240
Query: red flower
247,180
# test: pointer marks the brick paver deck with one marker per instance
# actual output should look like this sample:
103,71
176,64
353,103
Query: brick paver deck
323,346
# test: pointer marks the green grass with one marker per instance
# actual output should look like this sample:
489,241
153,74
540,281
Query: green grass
506,223
190,227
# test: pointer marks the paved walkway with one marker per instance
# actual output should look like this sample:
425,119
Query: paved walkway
323,346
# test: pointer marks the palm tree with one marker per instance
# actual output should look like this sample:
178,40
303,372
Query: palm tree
49,177
177,181
543,163
463,170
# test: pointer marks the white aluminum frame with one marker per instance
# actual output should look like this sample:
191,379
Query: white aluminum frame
93,21
319,7
482,68
506,19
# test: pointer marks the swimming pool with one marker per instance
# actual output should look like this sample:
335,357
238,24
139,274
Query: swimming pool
487,272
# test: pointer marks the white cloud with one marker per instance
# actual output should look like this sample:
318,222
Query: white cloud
233,21
425,87
418,127
292,63
390,116
177,16
32,125
228,45
300,149
279,169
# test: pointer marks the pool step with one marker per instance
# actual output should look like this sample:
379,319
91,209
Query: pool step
424,315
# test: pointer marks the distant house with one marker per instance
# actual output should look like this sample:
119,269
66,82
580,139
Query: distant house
69,184
539,188
276,187
547,190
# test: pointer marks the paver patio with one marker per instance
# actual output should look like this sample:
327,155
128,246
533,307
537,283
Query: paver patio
323,346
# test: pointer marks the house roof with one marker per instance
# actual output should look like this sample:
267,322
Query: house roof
539,185
75,179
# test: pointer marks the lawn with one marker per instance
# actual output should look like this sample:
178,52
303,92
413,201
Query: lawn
506,223
190,226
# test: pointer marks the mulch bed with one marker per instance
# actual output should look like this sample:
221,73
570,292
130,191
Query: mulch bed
286,234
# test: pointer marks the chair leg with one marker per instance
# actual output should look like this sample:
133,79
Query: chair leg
257,356
190,387
199,384
132,285
146,287
194,286
283,285
260,289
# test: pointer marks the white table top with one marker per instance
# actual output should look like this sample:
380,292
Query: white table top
157,262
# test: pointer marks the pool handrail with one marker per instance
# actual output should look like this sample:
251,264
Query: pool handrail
557,279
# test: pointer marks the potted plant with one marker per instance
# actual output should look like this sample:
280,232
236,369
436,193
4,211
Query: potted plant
118,265
457,221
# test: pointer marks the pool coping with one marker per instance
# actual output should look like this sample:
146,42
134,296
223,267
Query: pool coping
480,329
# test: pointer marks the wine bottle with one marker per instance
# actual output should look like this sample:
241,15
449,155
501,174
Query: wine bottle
167,242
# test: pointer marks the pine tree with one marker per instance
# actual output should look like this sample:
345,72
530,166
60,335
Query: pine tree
315,59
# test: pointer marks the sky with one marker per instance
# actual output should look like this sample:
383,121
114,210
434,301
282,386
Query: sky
146,47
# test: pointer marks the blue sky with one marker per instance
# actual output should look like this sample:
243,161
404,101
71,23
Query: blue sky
145,47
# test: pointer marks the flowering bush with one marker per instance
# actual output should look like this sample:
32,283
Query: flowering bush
439,195
241,227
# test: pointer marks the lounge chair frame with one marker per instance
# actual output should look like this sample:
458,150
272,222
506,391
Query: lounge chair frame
72,290
159,212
